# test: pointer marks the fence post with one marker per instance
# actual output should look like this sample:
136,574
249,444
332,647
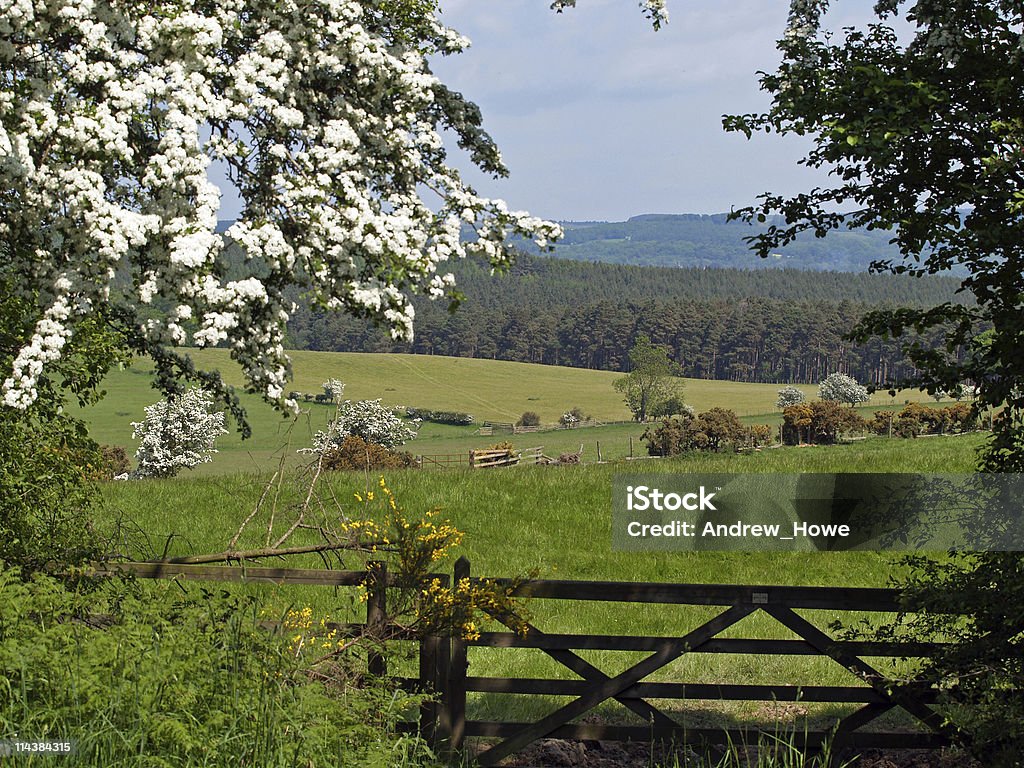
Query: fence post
435,656
457,672
377,614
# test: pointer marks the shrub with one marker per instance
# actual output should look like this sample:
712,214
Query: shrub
178,433
113,462
367,419
440,417
820,422
761,435
528,419
354,453
916,419
713,430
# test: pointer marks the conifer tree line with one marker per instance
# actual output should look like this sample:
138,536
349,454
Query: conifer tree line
752,326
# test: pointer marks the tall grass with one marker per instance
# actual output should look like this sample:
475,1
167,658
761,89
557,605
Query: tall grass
556,521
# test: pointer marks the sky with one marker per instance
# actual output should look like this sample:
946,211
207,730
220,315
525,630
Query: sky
599,117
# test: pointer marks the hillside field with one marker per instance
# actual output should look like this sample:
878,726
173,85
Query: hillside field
488,389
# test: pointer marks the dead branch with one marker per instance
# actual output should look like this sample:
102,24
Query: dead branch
255,554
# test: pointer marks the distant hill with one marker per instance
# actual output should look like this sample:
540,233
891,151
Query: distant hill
701,240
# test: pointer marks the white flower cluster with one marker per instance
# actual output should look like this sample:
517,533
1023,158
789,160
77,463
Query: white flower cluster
843,389
789,396
367,419
328,121
334,389
804,19
177,433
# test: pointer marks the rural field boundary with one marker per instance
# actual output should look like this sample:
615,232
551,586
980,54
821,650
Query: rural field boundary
443,667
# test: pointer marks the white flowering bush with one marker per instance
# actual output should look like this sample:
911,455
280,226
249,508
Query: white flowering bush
327,120
178,433
843,389
334,389
367,419
789,396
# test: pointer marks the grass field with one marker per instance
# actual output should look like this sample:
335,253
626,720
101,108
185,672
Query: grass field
488,389
556,521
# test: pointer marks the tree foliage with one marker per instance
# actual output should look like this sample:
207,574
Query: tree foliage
924,137
843,389
789,396
652,380
328,121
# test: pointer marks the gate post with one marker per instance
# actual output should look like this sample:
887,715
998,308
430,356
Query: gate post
457,672
435,655
377,614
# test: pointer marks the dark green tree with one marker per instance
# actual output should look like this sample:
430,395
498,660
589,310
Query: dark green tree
652,380
925,138
923,135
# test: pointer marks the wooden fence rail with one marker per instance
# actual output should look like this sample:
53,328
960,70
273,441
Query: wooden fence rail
874,697
443,661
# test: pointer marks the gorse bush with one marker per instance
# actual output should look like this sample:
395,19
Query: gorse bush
819,421
142,674
354,453
916,419
714,430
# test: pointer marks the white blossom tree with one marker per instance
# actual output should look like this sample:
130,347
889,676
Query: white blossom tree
178,433
789,396
843,389
367,419
334,389
328,121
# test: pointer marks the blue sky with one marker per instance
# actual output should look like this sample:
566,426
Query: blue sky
600,117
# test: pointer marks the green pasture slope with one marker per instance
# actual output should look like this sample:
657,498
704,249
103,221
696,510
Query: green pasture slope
491,390
554,521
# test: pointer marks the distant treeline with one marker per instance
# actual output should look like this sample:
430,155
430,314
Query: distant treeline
768,326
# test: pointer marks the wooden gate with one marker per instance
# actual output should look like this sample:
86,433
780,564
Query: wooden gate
443,667
875,696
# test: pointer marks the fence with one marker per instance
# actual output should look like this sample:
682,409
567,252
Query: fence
444,461
443,664
874,697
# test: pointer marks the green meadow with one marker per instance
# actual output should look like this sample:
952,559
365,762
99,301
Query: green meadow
490,390
552,521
